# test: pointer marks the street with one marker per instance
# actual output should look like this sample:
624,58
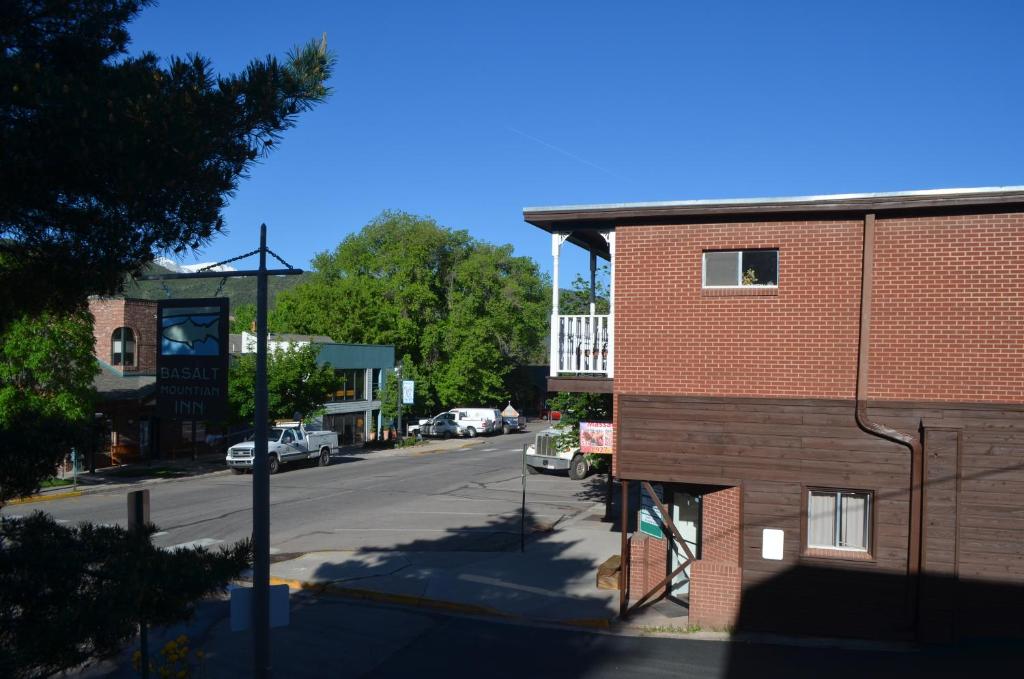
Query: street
436,505
469,496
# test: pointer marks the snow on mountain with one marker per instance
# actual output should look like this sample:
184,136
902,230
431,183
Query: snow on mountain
171,265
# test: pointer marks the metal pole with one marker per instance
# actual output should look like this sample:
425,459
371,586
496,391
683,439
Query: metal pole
522,512
398,434
261,484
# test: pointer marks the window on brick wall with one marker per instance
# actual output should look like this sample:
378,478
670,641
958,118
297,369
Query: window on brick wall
122,347
839,519
741,268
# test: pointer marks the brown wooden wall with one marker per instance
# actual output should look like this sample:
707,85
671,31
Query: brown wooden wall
774,448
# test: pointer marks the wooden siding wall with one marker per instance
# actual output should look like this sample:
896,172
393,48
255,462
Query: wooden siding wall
774,448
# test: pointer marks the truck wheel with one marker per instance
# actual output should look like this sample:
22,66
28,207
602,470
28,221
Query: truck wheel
273,464
471,432
325,457
530,469
505,429
578,468
447,435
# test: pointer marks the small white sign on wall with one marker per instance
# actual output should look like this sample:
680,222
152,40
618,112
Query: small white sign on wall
771,543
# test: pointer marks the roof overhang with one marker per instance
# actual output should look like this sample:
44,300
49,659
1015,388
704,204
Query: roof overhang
580,219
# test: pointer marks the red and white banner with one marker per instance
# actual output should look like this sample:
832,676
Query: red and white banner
597,437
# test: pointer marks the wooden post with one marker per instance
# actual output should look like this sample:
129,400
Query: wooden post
624,548
138,519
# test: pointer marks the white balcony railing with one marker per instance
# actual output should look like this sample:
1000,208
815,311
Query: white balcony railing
581,344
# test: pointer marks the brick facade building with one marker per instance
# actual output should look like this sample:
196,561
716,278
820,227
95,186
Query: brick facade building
838,382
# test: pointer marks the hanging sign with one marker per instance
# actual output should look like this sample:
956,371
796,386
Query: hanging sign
649,520
408,392
192,359
597,437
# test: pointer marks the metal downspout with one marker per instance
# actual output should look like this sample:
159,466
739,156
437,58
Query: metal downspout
911,441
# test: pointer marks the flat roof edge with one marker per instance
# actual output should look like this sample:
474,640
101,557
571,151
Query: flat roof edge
976,195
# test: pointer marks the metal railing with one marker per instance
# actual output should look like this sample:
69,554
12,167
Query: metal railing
581,344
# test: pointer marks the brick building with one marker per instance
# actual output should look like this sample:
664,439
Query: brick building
124,332
829,393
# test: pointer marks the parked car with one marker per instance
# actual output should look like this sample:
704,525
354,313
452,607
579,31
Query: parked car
474,421
288,442
442,425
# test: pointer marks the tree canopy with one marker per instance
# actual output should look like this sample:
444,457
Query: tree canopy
295,384
110,158
46,395
463,312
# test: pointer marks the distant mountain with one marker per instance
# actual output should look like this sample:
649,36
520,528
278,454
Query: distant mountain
175,267
239,290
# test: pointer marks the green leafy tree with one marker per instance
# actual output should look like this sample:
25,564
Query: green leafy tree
576,300
577,407
242,318
46,396
464,312
110,158
296,383
74,593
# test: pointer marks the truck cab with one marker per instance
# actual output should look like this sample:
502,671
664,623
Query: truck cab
545,454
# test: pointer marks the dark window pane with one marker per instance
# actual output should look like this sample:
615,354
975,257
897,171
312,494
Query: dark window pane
360,376
720,268
760,267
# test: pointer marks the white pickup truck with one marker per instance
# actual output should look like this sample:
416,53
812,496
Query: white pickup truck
288,442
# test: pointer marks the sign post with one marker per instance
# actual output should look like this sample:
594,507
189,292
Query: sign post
190,384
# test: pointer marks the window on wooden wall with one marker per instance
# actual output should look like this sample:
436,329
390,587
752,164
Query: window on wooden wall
122,347
839,519
741,268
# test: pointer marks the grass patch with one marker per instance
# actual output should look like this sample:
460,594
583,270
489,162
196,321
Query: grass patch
56,483
670,629
157,472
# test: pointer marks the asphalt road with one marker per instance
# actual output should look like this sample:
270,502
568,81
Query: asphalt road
470,497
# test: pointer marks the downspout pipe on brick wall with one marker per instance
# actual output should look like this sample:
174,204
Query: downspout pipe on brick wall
911,441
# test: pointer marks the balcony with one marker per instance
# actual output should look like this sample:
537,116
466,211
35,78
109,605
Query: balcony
582,344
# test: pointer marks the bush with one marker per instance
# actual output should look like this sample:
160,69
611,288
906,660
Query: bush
74,593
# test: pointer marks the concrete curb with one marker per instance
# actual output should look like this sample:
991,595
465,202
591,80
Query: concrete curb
84,489
44,497
413,601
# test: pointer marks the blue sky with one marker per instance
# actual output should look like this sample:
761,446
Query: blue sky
469,111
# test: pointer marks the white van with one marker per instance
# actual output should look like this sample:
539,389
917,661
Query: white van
474,421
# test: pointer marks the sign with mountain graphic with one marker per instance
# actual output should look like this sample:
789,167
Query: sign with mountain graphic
192,359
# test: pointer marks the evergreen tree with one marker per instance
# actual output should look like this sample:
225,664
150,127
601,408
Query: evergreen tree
110,158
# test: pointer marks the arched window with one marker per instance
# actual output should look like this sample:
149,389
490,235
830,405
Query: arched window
122,347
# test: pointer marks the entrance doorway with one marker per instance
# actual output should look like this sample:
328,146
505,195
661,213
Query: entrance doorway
686,515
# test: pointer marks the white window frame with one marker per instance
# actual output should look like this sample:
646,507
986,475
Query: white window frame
837,519
739,270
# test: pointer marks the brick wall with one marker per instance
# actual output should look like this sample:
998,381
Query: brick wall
716,578
947,311
648,563
720,526
137,314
